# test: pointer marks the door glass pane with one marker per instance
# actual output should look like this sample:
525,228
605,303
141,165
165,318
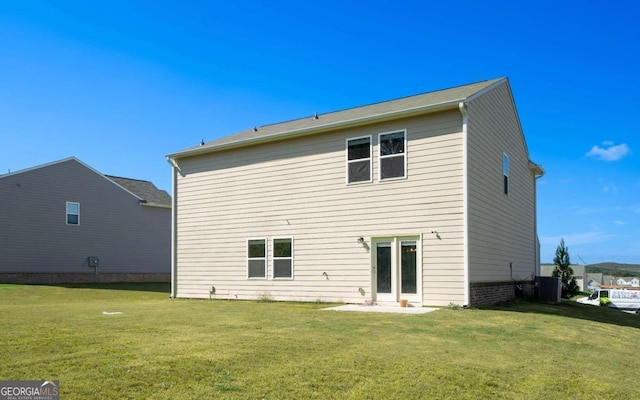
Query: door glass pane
383,256
409,281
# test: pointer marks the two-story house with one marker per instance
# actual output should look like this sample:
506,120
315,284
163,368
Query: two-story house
429,198
66,222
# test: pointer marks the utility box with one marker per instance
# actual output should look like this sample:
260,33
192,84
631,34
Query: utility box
93,261
549,289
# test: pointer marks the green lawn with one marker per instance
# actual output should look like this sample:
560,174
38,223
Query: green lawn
194,349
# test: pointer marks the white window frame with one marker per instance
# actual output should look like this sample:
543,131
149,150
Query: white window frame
265,258
505,173
274,258
346,156
381,157
67,213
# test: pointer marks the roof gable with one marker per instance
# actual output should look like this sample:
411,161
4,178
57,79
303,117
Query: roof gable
146,192
22,171
398,108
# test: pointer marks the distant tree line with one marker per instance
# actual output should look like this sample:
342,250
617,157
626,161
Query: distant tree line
614,269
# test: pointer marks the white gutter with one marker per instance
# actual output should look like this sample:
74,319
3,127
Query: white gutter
462,106
174,195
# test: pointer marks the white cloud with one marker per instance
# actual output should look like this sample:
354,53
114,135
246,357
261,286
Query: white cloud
609,151
577,239
619,223
608,187
598,210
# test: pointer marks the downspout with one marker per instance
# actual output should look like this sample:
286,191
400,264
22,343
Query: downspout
174,263
536,240
462,106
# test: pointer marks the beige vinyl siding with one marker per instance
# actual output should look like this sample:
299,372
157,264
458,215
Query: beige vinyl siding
34,235
297,188
501,227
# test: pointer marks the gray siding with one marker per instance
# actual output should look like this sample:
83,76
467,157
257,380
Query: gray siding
296,188
34,236
501,227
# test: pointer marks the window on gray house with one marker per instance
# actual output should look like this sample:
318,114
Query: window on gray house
359,159
257,258
393,160
73,213
283,258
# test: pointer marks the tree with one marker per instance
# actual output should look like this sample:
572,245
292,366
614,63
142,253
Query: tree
564,271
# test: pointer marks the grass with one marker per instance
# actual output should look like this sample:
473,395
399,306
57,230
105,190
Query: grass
191,349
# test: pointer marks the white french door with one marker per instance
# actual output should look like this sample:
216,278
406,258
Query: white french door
396,269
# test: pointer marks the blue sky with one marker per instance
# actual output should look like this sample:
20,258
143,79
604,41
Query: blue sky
120,84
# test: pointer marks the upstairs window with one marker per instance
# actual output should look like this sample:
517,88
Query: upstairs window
283,258
73,213
257,258
505,172
393,157
359,159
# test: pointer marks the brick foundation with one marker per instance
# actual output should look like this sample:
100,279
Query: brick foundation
45,277
483,294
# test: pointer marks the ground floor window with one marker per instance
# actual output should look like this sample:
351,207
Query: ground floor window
280,254
282,258
257,258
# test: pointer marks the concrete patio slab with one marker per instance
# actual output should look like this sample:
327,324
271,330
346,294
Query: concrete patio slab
382,309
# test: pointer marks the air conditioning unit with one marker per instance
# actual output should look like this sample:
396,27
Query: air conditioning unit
549,289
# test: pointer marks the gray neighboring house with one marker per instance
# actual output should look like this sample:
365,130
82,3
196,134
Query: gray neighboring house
594,280
429,198
66,222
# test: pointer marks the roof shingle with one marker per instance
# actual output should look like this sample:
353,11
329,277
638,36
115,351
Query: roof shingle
145,190
351,116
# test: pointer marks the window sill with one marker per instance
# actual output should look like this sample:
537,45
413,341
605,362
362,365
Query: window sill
359,183
400,178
